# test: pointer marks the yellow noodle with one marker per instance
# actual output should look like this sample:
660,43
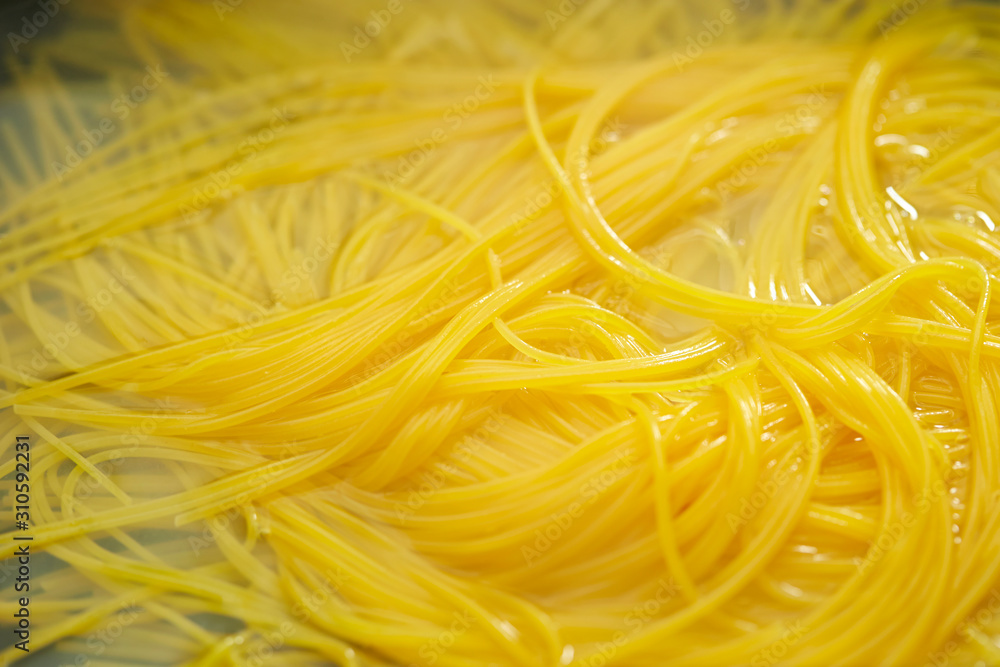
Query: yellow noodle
636,333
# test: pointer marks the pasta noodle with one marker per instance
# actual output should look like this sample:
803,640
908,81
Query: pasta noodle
504,333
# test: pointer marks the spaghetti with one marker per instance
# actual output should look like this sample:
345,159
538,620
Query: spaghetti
639,333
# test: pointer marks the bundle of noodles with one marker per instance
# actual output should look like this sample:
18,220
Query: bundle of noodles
503,332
